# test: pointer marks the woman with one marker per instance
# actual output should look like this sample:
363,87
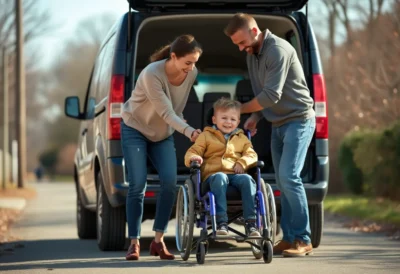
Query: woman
150,117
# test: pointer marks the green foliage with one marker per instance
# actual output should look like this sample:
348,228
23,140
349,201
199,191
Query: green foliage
370,162
352,176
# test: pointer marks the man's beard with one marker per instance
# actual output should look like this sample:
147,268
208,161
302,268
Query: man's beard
253,48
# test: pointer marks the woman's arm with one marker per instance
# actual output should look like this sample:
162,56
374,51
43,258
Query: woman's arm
153,88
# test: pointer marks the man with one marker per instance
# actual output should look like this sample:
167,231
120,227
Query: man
282,97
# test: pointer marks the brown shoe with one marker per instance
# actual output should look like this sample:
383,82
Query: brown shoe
281,246
159,249
133,252
299,249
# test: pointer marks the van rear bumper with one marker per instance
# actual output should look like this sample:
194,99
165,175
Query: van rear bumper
152,189
315,190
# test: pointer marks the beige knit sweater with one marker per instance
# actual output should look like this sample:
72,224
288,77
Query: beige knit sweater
155,106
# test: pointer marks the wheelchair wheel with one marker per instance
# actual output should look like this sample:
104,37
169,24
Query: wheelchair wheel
272,212
201,252
267,251
185,219
258,253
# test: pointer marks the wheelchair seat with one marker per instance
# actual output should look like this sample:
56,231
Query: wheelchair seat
232,193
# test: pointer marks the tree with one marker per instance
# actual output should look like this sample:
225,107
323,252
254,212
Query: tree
70,76
36,22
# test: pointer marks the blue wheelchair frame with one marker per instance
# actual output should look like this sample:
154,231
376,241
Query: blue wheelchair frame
205,205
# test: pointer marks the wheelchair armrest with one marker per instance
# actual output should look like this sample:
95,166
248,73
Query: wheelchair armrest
253,169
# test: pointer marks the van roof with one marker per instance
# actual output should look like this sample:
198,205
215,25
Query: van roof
283,5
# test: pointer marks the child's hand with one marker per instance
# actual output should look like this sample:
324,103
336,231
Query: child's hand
238,168
197,159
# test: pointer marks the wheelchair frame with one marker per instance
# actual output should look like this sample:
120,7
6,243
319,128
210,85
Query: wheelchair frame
193,208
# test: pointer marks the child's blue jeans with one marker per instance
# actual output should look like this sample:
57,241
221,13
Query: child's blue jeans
244,183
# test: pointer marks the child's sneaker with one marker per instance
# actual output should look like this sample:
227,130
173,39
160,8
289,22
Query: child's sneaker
251,229
222,229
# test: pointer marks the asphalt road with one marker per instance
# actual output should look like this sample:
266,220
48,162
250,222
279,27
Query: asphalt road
50,245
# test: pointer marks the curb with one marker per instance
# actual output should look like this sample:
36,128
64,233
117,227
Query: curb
12,203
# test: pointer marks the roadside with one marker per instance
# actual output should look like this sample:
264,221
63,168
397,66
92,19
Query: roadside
365,214
12,204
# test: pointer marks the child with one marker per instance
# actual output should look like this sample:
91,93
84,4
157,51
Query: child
225,153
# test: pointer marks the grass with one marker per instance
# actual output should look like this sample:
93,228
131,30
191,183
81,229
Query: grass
63,178
366,208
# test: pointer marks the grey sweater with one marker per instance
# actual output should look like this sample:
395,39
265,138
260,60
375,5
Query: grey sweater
155,106
278,82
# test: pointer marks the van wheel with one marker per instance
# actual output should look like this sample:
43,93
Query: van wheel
85,219
316,223
110,221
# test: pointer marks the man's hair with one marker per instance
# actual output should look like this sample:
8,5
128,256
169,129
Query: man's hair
225,104
238,21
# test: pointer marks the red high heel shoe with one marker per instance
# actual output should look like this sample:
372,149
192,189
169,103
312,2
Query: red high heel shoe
159,249
133,252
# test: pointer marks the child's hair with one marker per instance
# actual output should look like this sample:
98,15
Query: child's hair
226,103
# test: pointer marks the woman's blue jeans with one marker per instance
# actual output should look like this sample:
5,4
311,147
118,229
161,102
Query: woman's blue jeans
136,148
289,146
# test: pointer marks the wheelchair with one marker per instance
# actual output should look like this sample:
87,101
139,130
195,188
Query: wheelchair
195,205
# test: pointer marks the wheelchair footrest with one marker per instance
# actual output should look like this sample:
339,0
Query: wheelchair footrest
237,238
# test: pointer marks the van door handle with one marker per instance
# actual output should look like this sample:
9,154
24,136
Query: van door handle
103,109
84,131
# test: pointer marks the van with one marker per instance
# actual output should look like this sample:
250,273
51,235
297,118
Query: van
99,165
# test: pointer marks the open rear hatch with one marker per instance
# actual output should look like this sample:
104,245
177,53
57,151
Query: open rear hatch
270,5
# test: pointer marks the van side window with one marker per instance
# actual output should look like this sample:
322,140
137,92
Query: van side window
91,100
106,70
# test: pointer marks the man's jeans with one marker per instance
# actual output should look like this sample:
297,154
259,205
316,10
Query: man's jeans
289,146
244,183
136,148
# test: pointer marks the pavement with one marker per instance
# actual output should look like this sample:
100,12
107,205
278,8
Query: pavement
50,243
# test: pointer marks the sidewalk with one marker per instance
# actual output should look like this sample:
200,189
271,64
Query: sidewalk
12,204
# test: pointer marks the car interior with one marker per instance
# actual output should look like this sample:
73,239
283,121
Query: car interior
220,58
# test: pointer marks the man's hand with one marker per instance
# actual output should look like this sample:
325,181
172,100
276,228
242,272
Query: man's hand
238,168
251,125
195,134
197,159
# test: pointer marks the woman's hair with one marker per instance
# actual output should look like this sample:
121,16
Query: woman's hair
182,45
225,104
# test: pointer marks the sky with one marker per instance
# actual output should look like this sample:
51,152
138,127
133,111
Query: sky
65,15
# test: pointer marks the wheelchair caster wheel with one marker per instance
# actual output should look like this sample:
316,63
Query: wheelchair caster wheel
201,252
267,251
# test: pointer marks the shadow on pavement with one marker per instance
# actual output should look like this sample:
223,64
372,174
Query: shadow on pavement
75,253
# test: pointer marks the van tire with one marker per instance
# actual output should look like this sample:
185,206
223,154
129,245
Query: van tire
110,221
85,219
316,223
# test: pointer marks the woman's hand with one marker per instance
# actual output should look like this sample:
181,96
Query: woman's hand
195,134
197,159
238,168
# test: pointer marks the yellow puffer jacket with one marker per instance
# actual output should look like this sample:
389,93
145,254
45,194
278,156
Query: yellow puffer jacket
220,155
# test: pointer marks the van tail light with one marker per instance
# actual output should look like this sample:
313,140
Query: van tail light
115,103
277,193
149,194
320,107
